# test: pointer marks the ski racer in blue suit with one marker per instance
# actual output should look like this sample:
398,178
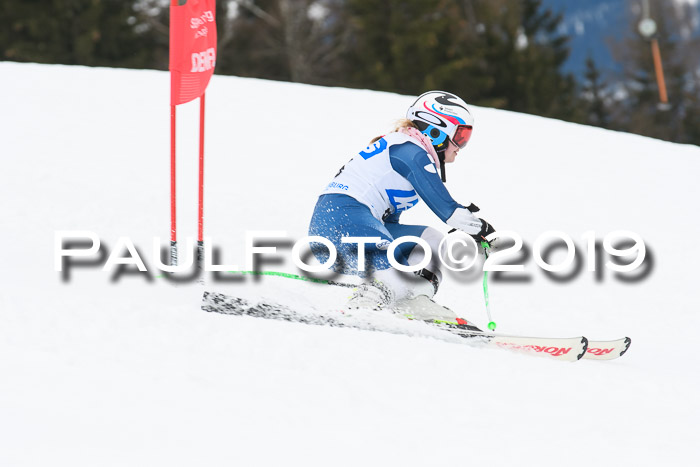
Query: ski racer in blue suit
368,195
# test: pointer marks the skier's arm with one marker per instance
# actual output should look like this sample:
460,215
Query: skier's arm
414,164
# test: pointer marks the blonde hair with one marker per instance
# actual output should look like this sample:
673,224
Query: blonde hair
398,124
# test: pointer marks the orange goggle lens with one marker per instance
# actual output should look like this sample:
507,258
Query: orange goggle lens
462,135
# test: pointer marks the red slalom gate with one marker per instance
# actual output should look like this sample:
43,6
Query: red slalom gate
192,61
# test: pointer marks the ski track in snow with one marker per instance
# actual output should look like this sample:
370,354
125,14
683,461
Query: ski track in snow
95,371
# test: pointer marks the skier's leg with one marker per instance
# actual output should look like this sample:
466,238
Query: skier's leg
390,286
418,302
414,254
338,216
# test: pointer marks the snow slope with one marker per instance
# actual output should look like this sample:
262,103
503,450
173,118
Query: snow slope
126,370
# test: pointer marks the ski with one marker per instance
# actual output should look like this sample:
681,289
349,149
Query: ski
607,350
596,350
565,349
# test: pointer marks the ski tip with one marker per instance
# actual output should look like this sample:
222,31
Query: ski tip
628,342
584,342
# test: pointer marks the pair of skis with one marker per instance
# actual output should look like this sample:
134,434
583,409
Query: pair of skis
560,348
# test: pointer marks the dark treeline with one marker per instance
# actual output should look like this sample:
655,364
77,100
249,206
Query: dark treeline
497,53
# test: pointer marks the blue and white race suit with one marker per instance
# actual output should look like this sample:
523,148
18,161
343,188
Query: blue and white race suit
368,195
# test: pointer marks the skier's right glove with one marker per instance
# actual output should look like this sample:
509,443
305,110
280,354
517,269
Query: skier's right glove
486,230
464,220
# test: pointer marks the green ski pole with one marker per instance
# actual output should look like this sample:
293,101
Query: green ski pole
492,323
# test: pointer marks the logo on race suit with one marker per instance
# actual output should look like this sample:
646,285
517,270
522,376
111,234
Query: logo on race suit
430,168
203,61
383,244
338,186
402,199
599,351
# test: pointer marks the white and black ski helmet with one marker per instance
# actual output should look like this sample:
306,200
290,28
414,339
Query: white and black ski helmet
441,116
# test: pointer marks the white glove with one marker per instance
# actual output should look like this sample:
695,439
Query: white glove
465,221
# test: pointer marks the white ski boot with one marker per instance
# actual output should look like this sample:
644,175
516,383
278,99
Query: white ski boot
423,308
370,296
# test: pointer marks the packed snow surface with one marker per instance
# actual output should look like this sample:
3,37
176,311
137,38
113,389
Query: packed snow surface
102,368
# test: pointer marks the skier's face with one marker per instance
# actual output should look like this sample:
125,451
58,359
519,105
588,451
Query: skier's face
451,152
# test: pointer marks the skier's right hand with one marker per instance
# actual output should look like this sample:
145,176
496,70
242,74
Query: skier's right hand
463,219
486,230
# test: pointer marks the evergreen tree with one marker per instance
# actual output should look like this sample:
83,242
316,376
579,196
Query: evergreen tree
76,32
491,52
594,96
400,46
524,54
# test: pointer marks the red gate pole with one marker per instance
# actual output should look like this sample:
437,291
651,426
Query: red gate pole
173,190
173,139
200,236
192,60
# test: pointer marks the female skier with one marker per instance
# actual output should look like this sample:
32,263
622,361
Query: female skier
368,195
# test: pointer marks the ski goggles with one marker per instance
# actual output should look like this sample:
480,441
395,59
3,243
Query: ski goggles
461,136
